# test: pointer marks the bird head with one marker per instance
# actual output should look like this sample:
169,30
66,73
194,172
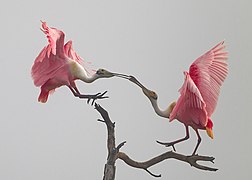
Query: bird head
150,94
102,73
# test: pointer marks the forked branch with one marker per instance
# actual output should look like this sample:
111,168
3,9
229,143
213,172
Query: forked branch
192,160
114,153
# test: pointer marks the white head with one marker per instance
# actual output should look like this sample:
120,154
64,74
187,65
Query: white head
150,94
153,97
102,73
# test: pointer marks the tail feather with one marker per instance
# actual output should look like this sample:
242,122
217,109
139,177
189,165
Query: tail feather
43,96
209,128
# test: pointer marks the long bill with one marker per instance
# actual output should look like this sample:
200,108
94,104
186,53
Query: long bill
155,106
130,78
121,75
135,81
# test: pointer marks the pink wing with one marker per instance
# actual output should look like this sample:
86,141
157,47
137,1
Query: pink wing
51,58
69,51
208,73
55,38
190,105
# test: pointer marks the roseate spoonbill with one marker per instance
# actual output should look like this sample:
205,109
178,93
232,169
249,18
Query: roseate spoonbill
198,94
58,65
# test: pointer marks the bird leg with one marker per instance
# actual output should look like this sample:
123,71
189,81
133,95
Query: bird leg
177,141
198,143
94,97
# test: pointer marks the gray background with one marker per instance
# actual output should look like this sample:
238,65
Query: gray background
153,40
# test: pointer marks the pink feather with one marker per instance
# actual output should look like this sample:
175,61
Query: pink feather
201,88
190,107
51,67
208,73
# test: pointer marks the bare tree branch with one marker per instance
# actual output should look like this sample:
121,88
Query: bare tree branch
114,153
110,127
192,160
109,169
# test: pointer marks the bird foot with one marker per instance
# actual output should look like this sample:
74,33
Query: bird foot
93,97
168,144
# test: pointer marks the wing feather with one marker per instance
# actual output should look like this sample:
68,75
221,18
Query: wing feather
69,51
190,105
54,56
208,73
55,38
51,57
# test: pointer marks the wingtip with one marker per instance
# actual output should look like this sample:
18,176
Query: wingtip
220,46
221,43
44,27
69,43
43,23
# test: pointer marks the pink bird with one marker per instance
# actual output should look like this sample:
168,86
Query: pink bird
58,64
198,95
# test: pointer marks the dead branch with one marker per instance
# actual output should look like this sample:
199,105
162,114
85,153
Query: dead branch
110,128
114,153
192,160
109,169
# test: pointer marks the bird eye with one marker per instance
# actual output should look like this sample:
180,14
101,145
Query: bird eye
154,95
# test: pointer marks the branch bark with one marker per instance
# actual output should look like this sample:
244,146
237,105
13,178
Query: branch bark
114,153
109,169
192,160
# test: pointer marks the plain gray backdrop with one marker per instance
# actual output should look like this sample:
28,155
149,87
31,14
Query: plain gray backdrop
153,40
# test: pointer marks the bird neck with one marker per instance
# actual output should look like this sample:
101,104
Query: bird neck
88,79
79,72
162,113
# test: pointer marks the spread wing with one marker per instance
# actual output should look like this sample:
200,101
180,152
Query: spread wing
208,73
190,105
51,57
55,38
69,52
